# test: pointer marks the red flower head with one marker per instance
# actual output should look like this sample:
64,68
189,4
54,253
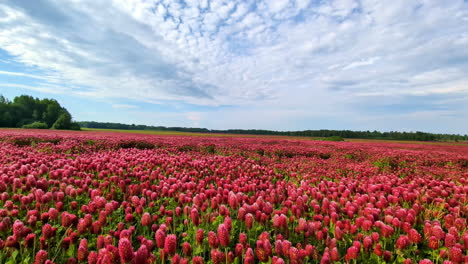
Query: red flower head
41,257
294,254
175,259
465,241
387,231
217,257
82,226
426,261
160,238
243,239
187,248
142,254
239,250
387,255
438,232
223,235
83,250
228,223
378,250
367,242
375,236
414,236
199,236
433,242
125,250
279,247
456,255
232,200
366,225
212,239
11,241
352,253
18,229
260,251
29,240
170,244
146,219
198,260
92,257
249,220
450,240
194,216
402,242
334,254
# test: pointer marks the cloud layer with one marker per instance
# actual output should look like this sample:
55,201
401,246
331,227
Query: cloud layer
298,59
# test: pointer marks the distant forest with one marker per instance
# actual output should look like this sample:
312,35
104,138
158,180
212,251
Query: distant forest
28,112
393,135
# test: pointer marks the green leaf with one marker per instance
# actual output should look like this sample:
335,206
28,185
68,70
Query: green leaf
71,251
14,254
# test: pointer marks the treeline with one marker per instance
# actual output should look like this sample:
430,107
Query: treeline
394,135
28,112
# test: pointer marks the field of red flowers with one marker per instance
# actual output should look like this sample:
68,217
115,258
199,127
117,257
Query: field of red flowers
83,197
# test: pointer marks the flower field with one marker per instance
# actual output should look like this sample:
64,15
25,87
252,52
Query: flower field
93,197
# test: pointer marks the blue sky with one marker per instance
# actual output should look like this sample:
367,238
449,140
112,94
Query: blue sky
276,64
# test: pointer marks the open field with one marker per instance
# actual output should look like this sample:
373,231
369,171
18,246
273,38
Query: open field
177,133
113,197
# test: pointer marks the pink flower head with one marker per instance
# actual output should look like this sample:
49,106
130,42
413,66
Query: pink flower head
334,254
249,220
213,239
194,216
352,253
125,250
199,236
402,242
414,236
142,254
170,245
160,238
146,219
187,248
41,257
198,260
83,250
456,255
433,242
223,235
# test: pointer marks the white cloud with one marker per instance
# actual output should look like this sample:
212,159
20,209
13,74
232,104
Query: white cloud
124,106
22,74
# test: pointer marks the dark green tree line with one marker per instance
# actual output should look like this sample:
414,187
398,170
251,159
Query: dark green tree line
393,135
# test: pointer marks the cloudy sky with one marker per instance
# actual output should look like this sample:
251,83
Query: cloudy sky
270,64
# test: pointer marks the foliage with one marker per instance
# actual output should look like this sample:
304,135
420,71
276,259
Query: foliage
63,121
333,138
25,110
36,125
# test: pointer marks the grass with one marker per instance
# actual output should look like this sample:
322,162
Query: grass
178,133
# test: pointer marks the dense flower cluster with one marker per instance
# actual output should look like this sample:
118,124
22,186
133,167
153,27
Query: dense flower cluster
82,197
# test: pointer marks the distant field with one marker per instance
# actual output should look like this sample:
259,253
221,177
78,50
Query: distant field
178,133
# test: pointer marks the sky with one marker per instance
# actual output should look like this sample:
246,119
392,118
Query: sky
266,64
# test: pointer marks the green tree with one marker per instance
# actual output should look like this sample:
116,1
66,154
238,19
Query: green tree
63,121
52,112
